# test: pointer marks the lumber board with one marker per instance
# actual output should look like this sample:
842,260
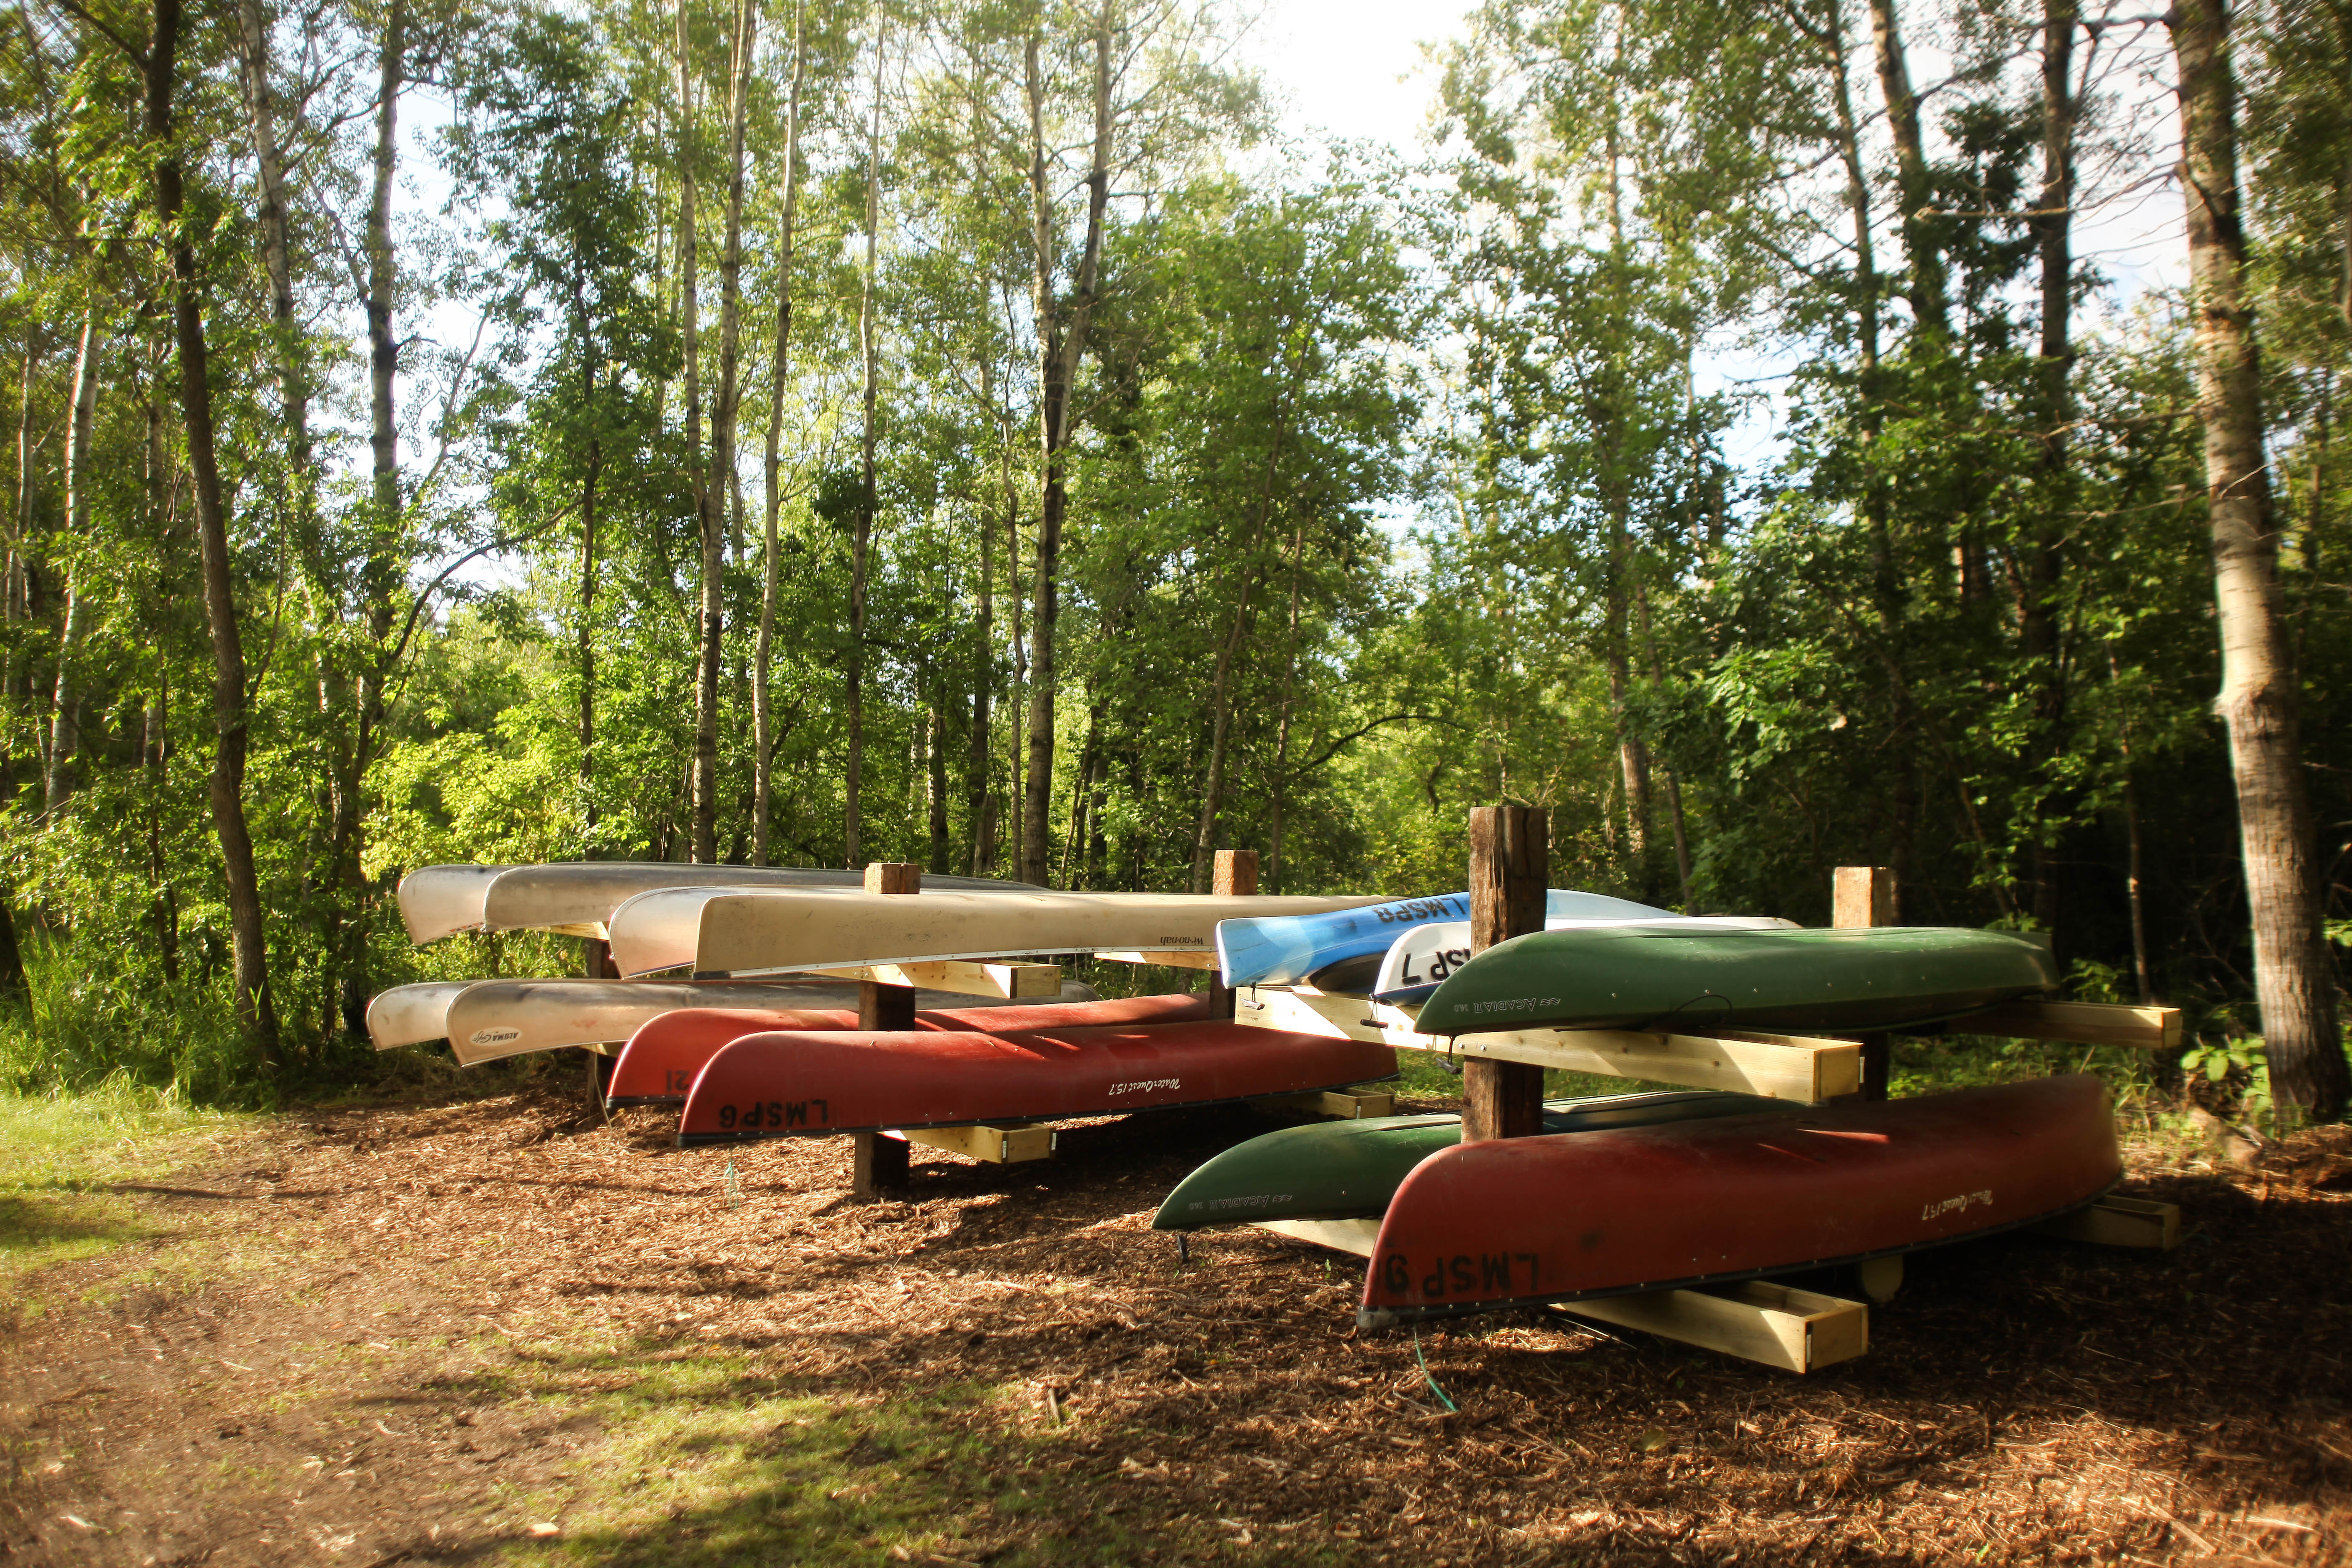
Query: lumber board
1352,1236
1009,981
995,1145
1348,1105
2082,1023
2115,1221
1167,957
1771,1325
1800,1068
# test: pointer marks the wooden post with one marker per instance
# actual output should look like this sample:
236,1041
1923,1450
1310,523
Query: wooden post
596,963
1510,867
1236,878
1865,896
879,1162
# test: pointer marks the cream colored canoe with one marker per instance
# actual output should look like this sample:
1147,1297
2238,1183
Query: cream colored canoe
576,897
489,1019
412,1014
717,931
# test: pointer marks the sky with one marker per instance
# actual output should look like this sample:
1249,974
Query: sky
1352,68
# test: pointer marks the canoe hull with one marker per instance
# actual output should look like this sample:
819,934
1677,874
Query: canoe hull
1657,977
768,1086
411,1015
719,932
1346,1170
1278,949
1418,961
1524,1221
658,1065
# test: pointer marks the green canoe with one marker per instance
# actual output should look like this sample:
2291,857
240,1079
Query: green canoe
1338,1170
1654,977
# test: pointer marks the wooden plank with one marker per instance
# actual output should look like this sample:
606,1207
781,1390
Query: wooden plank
1354,1236
2083,1022
2115,1221
1799,1067
1771,1325
1171,958
1863,896
1348,1105
1013,981
1510,870
995,1145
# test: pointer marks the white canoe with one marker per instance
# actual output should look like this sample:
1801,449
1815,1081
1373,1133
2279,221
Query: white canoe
577,897
719,931
485,1020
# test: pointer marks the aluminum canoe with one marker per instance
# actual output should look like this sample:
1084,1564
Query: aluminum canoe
1657,977
412,1014
1420,959
1277,948
797,1084
659,1063
578,896
1517,1222
717,931
1345,1170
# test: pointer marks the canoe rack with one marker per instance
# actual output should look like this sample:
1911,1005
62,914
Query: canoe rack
1770,1324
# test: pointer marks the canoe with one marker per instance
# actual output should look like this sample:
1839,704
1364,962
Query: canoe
412,1014
1277,950
1517,1222
715,931
1341,1170
487,1020
1881,977
659,1063
578,896
1421,958
792,1085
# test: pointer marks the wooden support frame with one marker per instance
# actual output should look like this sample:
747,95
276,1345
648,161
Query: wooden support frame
994,1145
1348,1105
964,977
2115,1221
1803,1069
2082,1023
1167,957
1772,1325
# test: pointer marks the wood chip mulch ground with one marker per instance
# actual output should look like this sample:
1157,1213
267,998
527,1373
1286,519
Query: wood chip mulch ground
326,1351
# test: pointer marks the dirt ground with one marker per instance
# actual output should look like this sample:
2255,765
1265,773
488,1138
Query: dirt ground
500,1330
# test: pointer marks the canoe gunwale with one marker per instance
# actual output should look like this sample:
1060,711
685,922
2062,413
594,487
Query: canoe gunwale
1401,1316
699,1139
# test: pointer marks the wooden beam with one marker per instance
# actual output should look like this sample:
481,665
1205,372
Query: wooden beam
1236,878
1349,1105
965,977
1804,1068
877,1163
995,1145
2083,1022
1510,874
1169,957
2115,1221
1861,897
884,1006
1771,1325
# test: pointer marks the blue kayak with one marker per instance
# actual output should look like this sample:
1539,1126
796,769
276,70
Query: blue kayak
1281,949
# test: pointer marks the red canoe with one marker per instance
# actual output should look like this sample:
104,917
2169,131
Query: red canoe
784,1085
659,1063
1521,1221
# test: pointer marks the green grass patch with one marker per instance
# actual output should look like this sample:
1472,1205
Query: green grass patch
709,1462
63,1155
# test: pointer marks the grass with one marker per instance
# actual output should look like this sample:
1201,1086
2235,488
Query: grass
62,1155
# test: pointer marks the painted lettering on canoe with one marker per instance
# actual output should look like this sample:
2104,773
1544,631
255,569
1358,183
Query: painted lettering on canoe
1146,1086
1513,1004
1414,911
774,1116
678,1080
1462,1276
496,1037
1438,963
1254,1201
1938,1208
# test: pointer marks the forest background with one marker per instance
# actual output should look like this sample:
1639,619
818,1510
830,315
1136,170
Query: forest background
817,431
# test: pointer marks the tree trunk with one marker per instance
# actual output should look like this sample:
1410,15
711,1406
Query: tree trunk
984,675
764,722
256,1014
1930,305
862,542
935,747
2258,700
1062,346
702,772
65,707
154,742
